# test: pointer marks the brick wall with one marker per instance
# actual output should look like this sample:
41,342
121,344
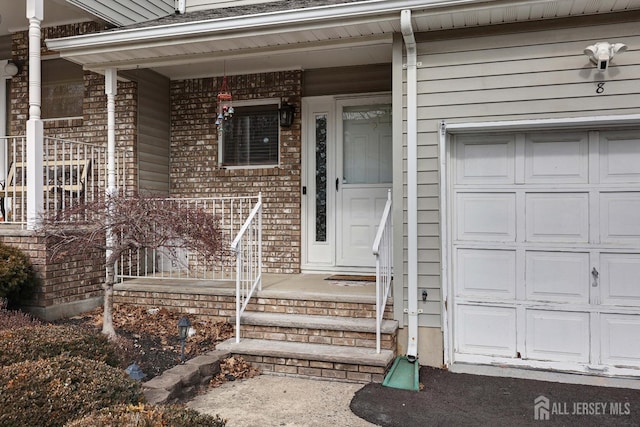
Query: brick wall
194,158
78,277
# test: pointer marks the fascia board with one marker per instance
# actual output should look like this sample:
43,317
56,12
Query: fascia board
300,19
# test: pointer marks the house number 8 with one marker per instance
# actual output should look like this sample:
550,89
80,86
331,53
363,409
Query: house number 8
600,88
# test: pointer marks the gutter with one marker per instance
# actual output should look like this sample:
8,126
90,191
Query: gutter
322,15
412,184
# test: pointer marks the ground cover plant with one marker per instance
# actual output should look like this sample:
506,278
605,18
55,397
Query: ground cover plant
43,341
52,374
53,391
147,416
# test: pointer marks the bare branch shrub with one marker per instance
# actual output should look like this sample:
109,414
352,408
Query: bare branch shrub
118,223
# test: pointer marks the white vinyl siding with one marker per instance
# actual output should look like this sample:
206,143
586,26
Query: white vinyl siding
496,74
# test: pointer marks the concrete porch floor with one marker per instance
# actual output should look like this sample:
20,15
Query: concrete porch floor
273,286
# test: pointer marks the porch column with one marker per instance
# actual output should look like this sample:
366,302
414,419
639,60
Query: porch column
110,89
35,128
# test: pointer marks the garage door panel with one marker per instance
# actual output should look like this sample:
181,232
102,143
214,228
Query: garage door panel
486,273
557,335
619,154
620,343
546,249
486,330
620,217
560,158
487,159
557,276
620,279
486,216
557,217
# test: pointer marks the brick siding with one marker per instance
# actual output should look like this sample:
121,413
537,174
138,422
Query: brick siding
77,277
194,158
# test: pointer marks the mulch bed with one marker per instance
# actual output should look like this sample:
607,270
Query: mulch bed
470,400
149,337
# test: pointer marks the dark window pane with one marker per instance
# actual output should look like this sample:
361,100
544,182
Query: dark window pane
251,136
62,89
321,178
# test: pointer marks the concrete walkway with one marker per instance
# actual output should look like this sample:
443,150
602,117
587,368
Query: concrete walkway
269,400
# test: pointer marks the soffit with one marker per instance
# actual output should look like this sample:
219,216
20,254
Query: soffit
126,12
350,33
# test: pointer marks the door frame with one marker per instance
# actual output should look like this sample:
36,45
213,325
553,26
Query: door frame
331,105
446,139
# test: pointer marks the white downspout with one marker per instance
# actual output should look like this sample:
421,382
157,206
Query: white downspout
412,184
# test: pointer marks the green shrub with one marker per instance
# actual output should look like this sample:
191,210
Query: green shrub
147,416
17,277
51,392
39,342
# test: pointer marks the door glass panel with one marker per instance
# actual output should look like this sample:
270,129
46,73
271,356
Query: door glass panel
321,178
367,144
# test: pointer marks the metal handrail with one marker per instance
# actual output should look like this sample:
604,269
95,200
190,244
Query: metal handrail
382,250
248,248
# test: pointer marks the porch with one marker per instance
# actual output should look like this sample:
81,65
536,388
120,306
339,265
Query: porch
299,324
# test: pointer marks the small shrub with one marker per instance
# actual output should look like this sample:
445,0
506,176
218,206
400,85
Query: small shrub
11,319
17,277
147,416
51,392
38,342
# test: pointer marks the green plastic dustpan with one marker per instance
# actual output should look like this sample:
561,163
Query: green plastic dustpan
403,374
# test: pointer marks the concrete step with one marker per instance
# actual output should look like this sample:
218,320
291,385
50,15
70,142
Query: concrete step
309,360
331,323
344,331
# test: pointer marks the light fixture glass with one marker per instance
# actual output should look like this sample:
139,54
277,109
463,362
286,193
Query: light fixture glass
286,113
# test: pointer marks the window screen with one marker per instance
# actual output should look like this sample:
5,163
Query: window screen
251,136
62,89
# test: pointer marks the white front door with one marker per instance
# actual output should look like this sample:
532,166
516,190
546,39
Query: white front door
546,250
347,172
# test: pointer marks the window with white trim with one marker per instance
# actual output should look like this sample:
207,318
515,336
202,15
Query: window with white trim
251,137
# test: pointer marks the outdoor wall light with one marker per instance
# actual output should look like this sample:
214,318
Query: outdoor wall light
11,69
286,115
602,53
183,331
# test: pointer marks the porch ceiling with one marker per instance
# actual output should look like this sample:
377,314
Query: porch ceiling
324,36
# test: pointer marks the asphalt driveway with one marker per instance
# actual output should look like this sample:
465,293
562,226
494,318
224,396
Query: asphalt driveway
455,399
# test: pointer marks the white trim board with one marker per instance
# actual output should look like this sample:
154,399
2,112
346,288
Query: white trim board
537,124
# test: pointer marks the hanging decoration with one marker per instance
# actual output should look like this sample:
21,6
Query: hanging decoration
225,108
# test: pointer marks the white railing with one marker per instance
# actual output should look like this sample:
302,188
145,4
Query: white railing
248,249
71,171
176,262
382,250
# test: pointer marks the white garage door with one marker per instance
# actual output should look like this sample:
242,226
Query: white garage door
546,250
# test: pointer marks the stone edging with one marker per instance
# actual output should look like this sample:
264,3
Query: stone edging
183,380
